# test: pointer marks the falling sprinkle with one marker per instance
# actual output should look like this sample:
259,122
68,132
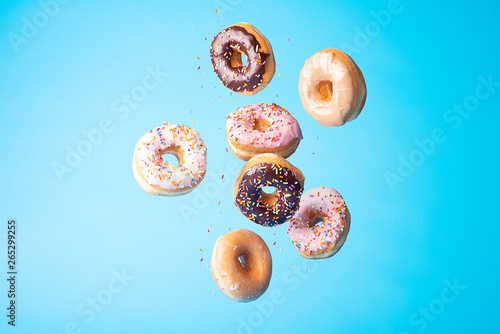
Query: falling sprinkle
192,122
192,27
279,75
223,176
274,243
199,57
281,249
215,13
287,277
218,203
229,229
201,259
213,294
201,250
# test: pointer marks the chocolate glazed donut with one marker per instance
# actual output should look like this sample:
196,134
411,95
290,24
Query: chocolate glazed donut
268,170
227,48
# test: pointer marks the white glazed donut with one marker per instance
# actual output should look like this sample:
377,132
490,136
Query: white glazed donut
332,87
160,177
320,226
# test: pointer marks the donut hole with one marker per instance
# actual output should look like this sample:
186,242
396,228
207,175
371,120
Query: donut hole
261,125
269,190
244,59
243,259
170,159
315,218
239,59
269,195
171,156
324,91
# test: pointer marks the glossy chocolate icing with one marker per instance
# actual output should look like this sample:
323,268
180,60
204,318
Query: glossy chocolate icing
249,195
245,77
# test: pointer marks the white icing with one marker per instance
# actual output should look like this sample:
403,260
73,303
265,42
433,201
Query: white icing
325,66
186,143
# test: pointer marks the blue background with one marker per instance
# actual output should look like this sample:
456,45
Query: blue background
409,239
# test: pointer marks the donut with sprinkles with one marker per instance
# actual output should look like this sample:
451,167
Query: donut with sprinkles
159,177
320,226
274,171
226,53
262,128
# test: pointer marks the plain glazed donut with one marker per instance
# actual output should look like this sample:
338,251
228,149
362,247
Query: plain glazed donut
332,87
268,170
320,226
241,265
262,128
160,177
226,50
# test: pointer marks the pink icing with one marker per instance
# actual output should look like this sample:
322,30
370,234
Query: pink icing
317,238
283,128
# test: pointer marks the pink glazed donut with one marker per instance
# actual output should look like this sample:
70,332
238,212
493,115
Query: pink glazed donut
320,226
262,128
